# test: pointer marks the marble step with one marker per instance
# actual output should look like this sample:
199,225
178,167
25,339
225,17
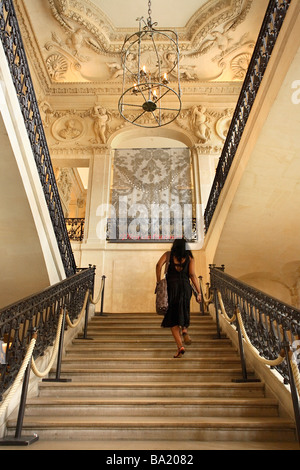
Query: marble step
151,389
137,428
147,331
148,342
101,351
107,362
174,374
156,322
168,406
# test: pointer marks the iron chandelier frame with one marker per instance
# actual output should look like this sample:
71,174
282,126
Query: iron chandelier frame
150,61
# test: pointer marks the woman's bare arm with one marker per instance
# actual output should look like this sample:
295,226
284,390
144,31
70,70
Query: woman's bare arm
194,279
159,266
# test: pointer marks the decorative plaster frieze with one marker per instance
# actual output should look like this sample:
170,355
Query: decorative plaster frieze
82,54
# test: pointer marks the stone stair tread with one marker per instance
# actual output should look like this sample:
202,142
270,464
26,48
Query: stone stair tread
162,341
152,401
156,421
136,384
142,370
90,351
152,360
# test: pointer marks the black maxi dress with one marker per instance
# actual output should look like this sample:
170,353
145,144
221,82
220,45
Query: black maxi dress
179,295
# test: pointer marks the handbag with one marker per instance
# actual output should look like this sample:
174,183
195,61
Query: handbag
161,292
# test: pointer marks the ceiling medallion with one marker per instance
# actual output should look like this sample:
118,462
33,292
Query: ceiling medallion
150,60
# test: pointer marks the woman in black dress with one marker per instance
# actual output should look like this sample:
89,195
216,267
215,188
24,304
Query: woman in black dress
181,269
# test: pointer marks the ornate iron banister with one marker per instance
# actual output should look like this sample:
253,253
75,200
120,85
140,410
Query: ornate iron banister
267,37
41,312
17,61
270,326
75,228
268,321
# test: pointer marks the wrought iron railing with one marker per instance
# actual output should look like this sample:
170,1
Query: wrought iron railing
271,327
17,61
75,228
41,313
268,35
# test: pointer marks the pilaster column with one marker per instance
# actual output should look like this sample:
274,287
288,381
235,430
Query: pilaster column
98,197
206,161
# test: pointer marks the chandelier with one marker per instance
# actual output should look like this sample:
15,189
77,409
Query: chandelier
150,62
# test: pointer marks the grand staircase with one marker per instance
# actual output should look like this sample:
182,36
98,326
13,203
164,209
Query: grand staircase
127,387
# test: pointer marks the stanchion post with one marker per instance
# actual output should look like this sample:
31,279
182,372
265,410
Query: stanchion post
202,294
20,440
60,352
216,303
86,320
102,296
242,354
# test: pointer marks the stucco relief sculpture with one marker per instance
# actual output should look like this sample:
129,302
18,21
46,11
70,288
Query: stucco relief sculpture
57,67
46,112
223,124
101,118
199,123
86,29
239,65
208,126
68,129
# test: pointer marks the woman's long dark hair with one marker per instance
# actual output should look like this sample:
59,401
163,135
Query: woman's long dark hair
179,249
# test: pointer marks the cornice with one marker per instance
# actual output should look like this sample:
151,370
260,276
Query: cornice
107,39
115,89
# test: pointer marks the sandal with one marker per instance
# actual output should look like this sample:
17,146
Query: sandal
187,339
180,352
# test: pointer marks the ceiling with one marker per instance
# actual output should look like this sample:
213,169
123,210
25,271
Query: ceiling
126,17
80,41
74,52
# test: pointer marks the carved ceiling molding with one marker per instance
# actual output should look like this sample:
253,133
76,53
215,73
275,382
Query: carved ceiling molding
63,69
94,127
86,24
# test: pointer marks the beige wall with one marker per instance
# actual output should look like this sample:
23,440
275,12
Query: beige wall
30,260
255,231
129,267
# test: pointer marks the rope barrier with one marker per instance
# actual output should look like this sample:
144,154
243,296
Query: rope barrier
74,325
296,374
269,362
53,355
29,353
230,320
207,300
94,302
19,377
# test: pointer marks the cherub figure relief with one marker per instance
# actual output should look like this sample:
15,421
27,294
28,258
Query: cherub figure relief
101,117
199,122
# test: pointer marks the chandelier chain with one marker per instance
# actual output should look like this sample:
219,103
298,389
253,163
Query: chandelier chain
149,13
